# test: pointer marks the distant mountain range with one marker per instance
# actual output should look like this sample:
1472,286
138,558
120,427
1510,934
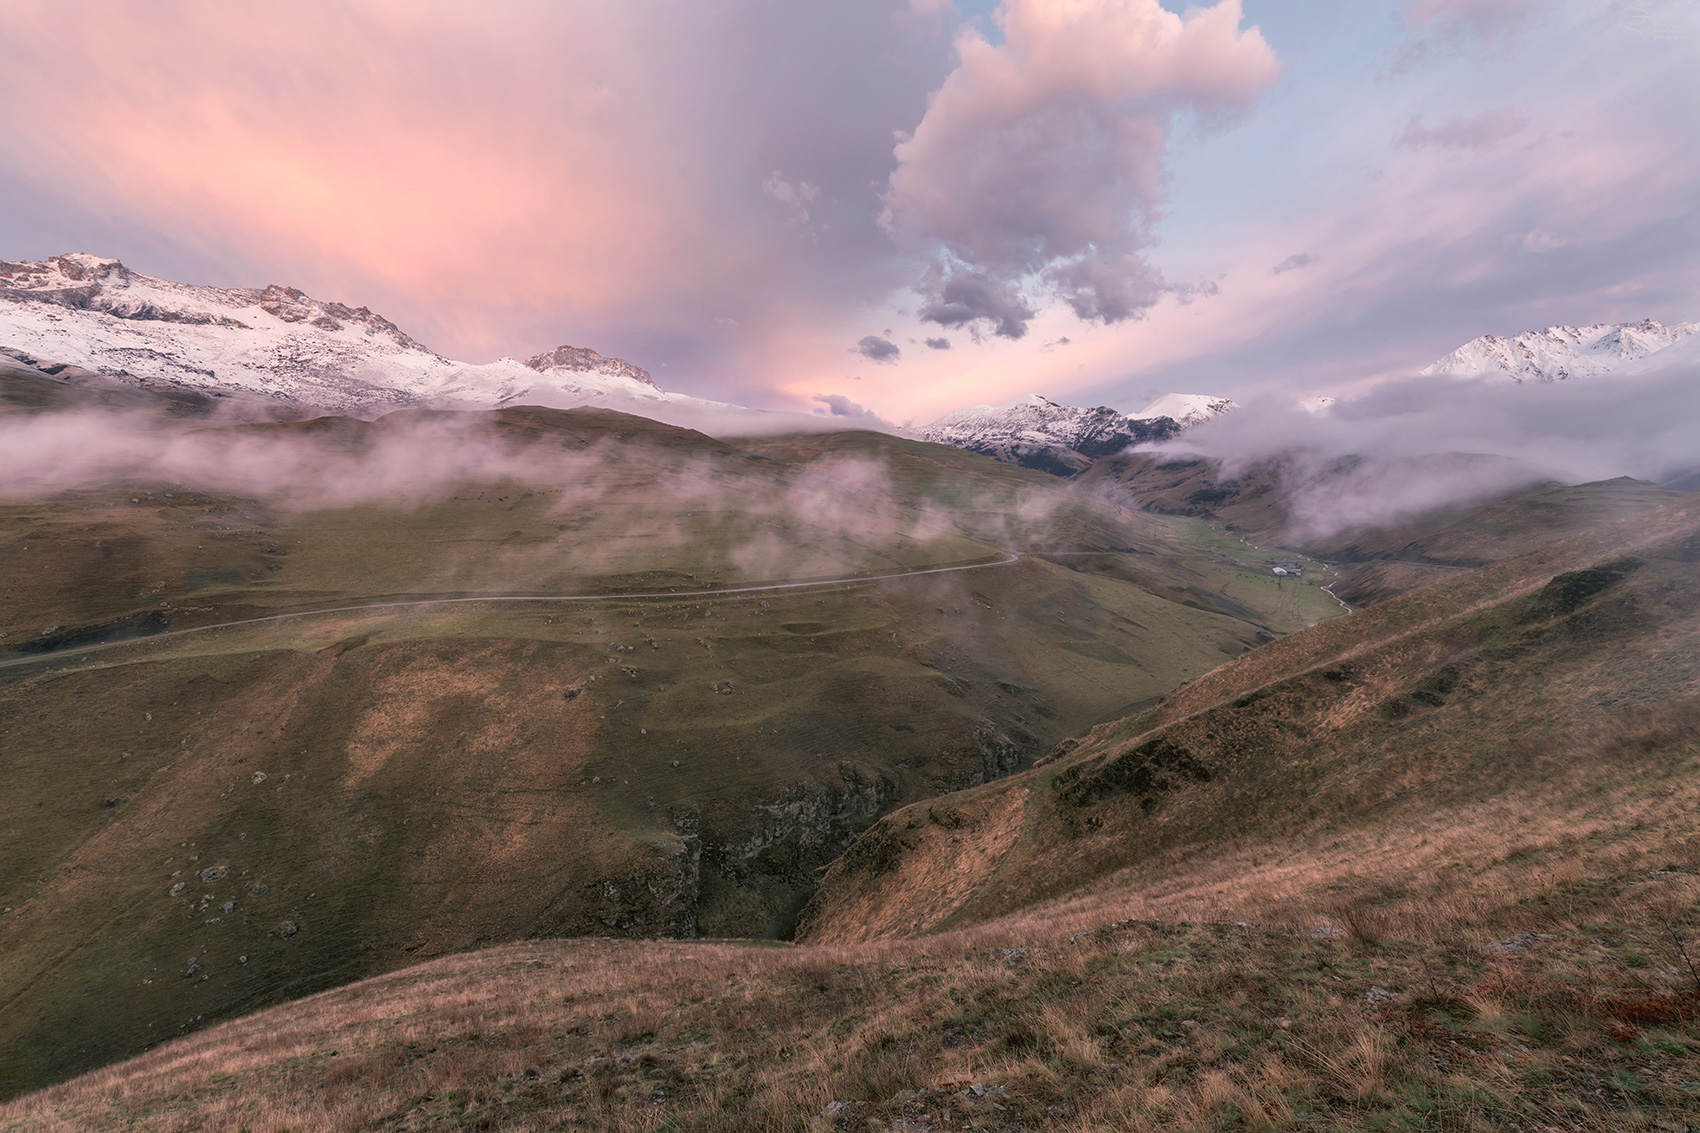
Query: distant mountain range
1560,352
1040,433
281,344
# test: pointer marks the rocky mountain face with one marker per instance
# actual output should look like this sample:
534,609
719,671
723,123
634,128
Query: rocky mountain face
1560,352
1037,432
582,359
281,344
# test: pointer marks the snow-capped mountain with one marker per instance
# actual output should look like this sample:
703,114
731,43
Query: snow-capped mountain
1187,409
283,344
1560,352
1040,433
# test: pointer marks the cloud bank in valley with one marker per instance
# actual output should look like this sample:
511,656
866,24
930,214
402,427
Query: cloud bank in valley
1419,443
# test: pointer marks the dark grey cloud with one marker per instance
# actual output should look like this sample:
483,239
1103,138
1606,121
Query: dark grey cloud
837,405
877,349
938,344
1472,131
1293,263
961,297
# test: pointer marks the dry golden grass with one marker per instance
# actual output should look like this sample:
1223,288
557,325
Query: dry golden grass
1048,1020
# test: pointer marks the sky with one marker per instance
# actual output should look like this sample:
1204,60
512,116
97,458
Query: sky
892,207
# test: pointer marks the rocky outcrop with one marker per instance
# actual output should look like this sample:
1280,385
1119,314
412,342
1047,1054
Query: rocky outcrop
583,360
806,827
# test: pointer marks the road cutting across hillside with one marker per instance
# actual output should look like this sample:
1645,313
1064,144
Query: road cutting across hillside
1009,559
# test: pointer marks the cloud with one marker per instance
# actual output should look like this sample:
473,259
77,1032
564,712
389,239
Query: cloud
1039,164
938,344
837,405
962,297
1467,132
495,181
1420,443
797,196
877,349
1483,17
1293,263
1456,26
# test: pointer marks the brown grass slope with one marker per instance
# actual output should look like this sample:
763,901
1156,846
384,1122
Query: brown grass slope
1432,866
200,825
1541,708
1587,1022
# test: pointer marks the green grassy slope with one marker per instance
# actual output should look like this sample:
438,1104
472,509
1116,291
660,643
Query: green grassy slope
204,823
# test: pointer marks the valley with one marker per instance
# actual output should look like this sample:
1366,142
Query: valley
594,676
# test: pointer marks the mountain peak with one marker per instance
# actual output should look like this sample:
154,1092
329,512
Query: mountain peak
1187,409
582,359
1040,433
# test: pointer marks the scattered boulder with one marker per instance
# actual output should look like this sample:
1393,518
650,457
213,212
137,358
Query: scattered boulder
285,930
214,873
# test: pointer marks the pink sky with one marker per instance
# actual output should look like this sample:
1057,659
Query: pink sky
735,197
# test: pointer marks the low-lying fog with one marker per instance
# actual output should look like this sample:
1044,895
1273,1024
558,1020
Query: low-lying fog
1428,442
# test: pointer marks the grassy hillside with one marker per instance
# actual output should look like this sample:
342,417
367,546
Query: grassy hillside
1541,711
1370,562
1435,864
201,823
1564,1014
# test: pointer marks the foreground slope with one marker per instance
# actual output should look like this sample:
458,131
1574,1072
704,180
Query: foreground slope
484,677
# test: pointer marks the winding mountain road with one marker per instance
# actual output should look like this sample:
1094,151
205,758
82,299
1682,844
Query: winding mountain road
1009,558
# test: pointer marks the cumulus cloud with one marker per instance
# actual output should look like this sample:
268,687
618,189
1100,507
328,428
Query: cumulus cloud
837,405
938,344
1039,165
1293,263
877,349
959,296
1466,132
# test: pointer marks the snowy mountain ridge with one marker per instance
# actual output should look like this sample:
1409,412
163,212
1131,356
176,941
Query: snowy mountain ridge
283,344
1559,352
1040,433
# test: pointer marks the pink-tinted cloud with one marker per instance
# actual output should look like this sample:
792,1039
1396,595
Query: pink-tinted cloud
1470,131
1043,156
366,142
495,178
1478,15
